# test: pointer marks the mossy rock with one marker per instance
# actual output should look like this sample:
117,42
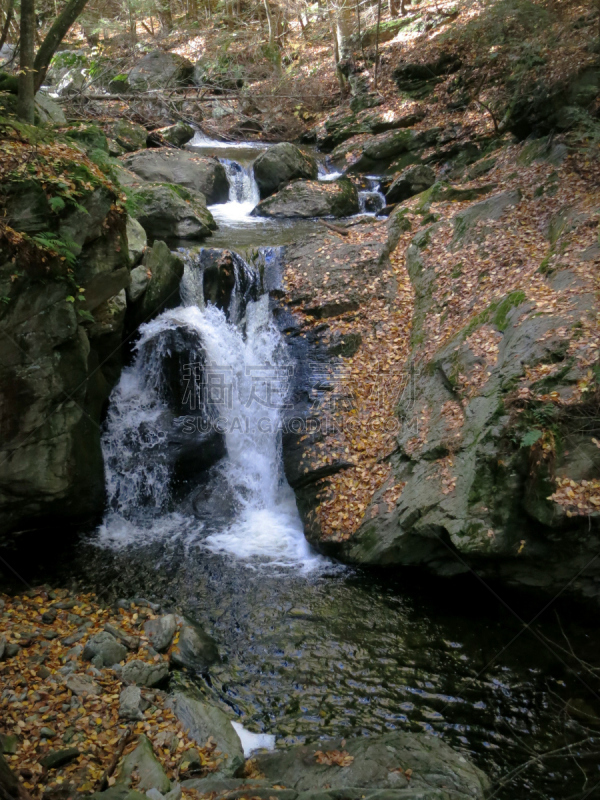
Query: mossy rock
128,136
172,212
88,134
307,199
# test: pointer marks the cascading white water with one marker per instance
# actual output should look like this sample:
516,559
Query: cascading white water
252,370
243,193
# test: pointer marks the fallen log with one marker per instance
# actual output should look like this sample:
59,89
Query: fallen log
335,228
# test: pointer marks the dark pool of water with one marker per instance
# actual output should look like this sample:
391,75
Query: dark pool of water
347,651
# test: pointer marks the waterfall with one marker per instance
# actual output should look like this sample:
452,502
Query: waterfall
199,380
371,200
243,192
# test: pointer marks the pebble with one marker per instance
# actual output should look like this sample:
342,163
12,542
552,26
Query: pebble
48,617
47,733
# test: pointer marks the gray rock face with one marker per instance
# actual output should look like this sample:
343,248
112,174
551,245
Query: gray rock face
195,649
413,180
308,199
202,721
160,631
136,241
105,645
378,762
162,165
156,284
148,768
50,458
281,164
172,212
343,125
141,674
159,70
48,110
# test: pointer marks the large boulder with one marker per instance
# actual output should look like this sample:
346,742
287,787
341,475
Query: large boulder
161,70
194,648
172,212
281,164
308,199
51,470
165,165
411,765
411,181
48,111
203,721
178,134
154,284
142,767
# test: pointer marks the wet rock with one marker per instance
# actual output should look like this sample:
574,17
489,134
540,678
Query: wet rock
160,631
130,703
306,199
105,645
172,212
160,70
157,281
144,763
47,733
11,649
378,762
82,685
413,180
194,650
202,721
279,165
52,463
141,674
58,758
167,165
177,135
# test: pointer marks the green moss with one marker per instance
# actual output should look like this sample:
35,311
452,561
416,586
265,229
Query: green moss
88,134
510,301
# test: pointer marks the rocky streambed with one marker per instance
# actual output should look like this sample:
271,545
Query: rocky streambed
432,368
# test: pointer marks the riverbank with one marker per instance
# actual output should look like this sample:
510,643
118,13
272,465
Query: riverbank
83,714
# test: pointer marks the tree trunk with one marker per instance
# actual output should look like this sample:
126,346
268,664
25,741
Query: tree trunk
270,24
377,44
54,37
26,98
164,14
344,28
132,23
393,7
9,15
336,51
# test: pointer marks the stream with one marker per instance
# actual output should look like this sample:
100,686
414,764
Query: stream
310,648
